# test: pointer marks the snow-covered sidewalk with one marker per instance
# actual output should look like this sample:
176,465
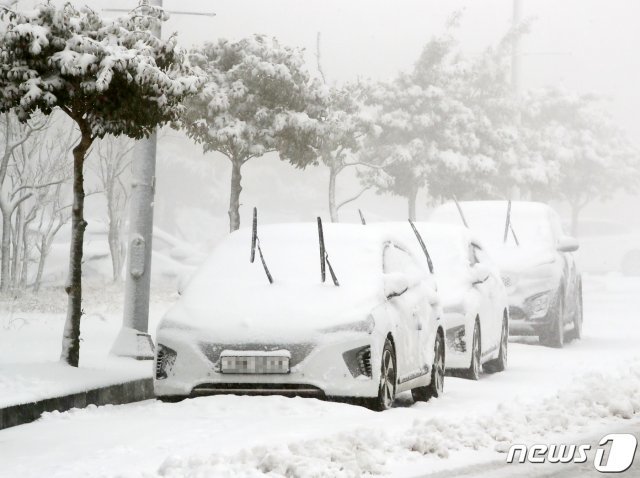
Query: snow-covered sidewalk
30,369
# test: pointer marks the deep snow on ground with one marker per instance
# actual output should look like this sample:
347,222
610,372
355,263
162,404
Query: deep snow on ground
31,335
546,392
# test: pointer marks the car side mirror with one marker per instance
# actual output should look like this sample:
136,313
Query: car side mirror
567,244
480,273
395,285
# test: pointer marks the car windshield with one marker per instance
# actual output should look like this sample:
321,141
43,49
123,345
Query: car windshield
232,286
487,219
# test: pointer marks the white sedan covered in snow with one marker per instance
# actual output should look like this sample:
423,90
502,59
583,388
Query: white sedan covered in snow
535,259
371,330
473,298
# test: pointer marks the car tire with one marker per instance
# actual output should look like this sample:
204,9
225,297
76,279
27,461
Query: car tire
473,372
576,332
554,335
435,388
500,364
630,264
388,378
171,398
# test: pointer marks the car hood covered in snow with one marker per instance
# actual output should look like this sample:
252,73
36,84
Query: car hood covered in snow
231,297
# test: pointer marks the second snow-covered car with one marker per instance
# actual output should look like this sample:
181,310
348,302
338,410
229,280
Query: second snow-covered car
529,246
474,300
371,330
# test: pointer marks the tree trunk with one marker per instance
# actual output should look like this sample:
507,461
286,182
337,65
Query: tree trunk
44,250
234,201
71,335
115,248
411,202
24,274
333,210
16,249
5,251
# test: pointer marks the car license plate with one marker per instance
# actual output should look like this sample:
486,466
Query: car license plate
254,364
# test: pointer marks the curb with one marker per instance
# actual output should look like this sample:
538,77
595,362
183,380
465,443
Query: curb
133,391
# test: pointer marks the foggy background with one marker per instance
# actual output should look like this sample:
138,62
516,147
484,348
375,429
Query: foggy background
583,45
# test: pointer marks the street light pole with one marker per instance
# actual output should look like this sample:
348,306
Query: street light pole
134,339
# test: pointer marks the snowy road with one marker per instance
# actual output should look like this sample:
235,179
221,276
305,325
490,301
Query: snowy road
545,392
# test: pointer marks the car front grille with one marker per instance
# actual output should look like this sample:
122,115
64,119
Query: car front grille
288,389
298,351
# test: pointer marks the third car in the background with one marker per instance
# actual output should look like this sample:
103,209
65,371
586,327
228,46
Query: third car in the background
536,264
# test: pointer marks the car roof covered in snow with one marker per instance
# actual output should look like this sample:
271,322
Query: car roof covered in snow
448,247
530,220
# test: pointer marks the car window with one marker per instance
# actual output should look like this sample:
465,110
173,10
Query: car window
397,260
473,257
479,254
556,225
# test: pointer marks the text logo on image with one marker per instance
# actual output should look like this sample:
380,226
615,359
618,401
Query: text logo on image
621,446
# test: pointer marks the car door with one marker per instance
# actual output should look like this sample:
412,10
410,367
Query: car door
485,287
410,310
569,267
493,301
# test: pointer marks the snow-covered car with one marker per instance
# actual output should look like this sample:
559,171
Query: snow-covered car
374,332
543,285
607,246
473,298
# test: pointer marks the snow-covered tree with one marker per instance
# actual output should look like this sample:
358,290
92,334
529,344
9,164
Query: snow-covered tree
345,124
447,126
19,145
109,76
113,168
581,154
258,98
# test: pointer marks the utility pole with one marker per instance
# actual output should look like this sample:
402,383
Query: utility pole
516,23
134,339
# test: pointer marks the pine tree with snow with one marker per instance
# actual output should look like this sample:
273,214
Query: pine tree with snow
259,98
109,76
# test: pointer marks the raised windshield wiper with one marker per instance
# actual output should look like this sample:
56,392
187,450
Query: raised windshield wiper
422,245
255,242
324,257
509,226
364,223
464,220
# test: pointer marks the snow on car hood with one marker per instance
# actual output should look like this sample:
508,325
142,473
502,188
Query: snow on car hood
232,297
514,258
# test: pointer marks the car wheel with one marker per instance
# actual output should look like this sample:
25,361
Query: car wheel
388,376
436,387
500,364
473,372
630,264
554,335
576,332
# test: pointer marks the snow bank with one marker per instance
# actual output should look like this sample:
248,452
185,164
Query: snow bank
590,399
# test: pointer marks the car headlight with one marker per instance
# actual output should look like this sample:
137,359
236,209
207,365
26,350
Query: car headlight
165,358
367,325
538,305
509,280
